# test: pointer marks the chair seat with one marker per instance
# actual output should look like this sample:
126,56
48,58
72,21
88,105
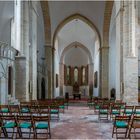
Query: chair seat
90,103
103,112
115,112
137,112
121,124
4,110
24,110
41,125
25,125
9,124
62,107
54,111
97,107
136,125
128,112
66,104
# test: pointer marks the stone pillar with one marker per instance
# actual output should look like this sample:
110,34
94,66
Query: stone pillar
119,53
104,71
17,23
20,78
49,70
130,56
90,78
22,62
53,72
34,52
61,66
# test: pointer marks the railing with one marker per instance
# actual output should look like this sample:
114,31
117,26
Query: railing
7,51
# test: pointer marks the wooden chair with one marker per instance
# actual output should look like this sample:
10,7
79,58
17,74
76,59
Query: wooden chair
115,110
54,111
137,111
44,108
135,127
121,126
41,123
8,122
14,109
4,109
103,112
24,123
25,107
128,110
60,102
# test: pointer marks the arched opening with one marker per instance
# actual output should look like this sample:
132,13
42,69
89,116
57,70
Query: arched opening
43,96
77,44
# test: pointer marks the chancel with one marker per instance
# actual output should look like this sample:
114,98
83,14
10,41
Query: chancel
69,69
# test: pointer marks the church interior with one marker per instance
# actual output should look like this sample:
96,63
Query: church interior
69,69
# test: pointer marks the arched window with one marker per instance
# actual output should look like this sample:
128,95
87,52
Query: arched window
83,75
68,75
75,75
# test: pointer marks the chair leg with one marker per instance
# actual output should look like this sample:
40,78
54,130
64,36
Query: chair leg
113,132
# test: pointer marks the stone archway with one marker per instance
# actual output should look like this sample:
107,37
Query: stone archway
61,65
104,51
47,21
85,20
80,17
48,45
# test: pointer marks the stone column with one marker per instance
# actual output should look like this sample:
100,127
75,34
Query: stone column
49,70
22,61
61,66
34,51
119,53
53,72
104,71
130,56
90,78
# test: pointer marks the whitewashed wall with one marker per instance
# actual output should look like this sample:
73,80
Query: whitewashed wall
96,68
112,51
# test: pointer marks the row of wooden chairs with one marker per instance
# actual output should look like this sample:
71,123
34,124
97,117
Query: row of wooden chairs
21,109
106,110
21,126
126,126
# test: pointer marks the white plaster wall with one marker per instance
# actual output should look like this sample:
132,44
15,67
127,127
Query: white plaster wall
96,68
56,69
112,59
6,14
76,57
87,8
35,7
112,49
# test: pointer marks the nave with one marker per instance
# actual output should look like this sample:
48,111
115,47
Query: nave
97,118
80,122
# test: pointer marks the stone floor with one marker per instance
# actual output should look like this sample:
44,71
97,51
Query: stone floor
80,122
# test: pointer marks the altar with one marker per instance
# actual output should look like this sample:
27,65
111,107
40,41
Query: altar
76,93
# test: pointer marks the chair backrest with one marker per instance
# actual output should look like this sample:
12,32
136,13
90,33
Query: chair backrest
42,118
24,118
14,109
8,118
4,109
122,118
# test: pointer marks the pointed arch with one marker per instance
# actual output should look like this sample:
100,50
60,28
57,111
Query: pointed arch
81,46
47,21
72,17
107,19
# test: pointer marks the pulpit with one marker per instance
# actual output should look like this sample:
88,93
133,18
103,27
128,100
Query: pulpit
76,93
